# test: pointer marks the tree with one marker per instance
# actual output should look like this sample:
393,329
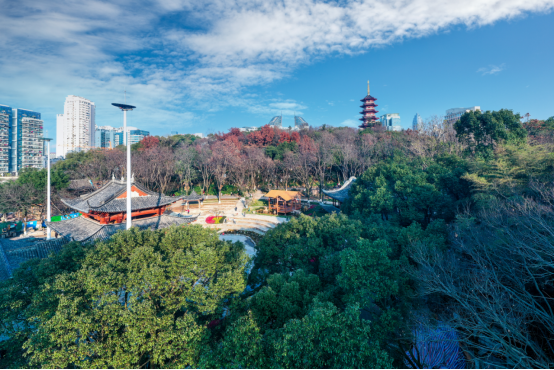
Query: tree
263,137
140,299
155,167
38,178
223,155
303,163
494,282
323,158
203,161
328,338
482,132
184,159
26,303
403,191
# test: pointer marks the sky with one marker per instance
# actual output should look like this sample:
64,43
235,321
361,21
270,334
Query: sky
207,66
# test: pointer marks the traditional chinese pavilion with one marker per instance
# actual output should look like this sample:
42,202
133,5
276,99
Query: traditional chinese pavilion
281,201
103,212
368,114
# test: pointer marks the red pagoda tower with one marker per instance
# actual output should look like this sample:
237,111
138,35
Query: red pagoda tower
368,114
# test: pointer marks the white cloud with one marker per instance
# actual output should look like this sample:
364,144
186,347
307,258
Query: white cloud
491,69
179,56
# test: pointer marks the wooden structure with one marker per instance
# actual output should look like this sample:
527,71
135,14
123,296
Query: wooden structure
281,201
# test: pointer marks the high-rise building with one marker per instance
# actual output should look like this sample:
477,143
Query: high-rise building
391,122
76,127
27,149
21,145
300,123
417,123
276,121
454,114
135,135
5,124
369,113
104,137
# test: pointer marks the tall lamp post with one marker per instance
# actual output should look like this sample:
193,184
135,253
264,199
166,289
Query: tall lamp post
48,208
125,108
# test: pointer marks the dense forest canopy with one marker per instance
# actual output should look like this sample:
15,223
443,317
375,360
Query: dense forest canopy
442,256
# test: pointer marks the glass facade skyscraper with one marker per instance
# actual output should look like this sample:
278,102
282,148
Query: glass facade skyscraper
108,137
417,124
391,122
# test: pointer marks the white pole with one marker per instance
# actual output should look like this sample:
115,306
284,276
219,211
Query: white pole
129,224
48,209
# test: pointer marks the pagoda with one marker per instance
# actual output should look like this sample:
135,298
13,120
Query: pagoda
103,212
368,114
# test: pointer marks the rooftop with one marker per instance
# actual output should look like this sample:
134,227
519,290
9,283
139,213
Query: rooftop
343,193
286,195
108,198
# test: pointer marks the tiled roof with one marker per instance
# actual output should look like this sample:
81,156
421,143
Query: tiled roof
343,193
84,230
80,184
286,195
14,252
105,199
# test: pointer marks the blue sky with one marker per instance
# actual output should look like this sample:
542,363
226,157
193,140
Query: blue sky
206,66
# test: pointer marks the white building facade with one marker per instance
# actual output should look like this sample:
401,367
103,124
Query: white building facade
454,114
75,128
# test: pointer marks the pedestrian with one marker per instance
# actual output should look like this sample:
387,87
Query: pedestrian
235,209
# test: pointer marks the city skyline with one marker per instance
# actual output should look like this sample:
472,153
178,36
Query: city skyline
454,56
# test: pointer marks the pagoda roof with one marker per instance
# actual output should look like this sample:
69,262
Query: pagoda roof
108,198
83,229
343,193
368,97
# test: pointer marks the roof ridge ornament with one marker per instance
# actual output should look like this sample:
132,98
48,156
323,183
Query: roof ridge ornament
113,176
133,177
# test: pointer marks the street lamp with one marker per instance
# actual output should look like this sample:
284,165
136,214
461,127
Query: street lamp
48,208
125,108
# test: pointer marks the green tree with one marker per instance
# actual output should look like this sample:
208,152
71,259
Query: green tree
140,299
26,303
38,178
482,132
329,338
404,191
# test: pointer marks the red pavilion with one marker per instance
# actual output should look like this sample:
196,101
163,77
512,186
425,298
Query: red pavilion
368,114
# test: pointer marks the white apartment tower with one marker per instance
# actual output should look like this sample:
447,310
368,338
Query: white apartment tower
75,128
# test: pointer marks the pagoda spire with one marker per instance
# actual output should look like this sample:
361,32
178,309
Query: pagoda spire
367,87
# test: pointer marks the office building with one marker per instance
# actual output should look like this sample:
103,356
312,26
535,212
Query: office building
391,122
104,137
76,126
135,135
417,123
454,114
